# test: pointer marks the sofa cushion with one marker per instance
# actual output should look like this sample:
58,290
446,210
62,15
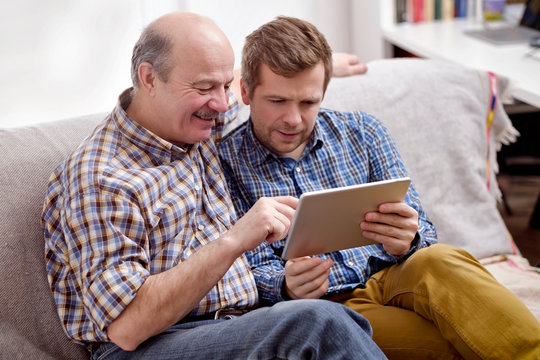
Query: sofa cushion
437,112
29,325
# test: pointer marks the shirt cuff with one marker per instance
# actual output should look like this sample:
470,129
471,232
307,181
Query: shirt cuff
279,285
416,244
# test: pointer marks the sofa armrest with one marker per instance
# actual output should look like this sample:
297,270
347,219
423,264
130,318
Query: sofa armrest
29,324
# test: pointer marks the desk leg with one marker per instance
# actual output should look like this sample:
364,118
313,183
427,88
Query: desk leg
535,217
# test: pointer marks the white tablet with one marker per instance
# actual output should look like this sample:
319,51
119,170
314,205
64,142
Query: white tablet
329,220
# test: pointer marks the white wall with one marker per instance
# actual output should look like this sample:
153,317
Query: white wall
64,58
242,17
367,40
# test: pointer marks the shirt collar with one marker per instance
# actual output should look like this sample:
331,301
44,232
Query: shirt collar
261,153
140,136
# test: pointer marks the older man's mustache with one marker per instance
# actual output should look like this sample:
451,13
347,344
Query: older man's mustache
207,114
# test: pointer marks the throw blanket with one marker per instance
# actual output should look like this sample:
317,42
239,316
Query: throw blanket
514,272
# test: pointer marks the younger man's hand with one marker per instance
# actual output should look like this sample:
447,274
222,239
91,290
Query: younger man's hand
394,226
307,277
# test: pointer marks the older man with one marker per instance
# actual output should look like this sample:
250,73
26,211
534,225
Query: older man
142,255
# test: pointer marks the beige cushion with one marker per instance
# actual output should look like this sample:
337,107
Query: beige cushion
29,325
437,112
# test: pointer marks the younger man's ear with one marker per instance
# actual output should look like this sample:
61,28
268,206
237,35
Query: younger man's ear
245,97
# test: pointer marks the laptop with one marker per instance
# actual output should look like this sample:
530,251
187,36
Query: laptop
529,28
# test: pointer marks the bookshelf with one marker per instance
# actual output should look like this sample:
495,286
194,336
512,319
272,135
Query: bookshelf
411,11
430,10
445,39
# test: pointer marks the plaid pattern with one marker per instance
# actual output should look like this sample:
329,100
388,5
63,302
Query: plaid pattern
125,205
346,148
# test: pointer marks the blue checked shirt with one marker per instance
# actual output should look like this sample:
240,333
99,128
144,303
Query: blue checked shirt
345,148
128,204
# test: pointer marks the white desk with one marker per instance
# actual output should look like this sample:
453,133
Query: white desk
446,40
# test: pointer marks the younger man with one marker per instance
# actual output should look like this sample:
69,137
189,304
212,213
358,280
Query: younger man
423,300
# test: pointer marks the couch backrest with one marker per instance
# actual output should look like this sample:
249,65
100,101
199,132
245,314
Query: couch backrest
29,325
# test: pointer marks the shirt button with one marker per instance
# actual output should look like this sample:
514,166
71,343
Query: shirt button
351,263
197,188
200,227
298,169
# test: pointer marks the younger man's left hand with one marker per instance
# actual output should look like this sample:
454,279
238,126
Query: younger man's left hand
394,225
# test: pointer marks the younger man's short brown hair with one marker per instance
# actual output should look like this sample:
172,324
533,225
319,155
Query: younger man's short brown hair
287,46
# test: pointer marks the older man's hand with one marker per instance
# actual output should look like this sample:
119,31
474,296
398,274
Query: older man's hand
345,64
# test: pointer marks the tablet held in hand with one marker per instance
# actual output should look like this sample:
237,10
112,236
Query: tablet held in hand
329,220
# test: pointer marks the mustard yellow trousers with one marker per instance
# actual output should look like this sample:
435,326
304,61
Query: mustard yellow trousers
441,303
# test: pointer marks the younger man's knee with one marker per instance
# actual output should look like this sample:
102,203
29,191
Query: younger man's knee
438,251
439,257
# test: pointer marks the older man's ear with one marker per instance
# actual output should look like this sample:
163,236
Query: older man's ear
345,64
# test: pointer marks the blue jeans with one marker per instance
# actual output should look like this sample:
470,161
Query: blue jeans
299,329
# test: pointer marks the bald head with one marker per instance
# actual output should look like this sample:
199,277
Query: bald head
177,38
187,30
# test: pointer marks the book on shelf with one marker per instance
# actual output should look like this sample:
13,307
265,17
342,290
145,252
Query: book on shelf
448,9
418,10
429,10
461,8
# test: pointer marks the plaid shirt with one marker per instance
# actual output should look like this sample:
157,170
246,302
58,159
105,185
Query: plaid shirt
128,204
345,148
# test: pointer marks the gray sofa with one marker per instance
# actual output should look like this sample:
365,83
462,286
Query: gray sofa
436,112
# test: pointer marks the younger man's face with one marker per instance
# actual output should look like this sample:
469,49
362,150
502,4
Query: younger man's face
284,110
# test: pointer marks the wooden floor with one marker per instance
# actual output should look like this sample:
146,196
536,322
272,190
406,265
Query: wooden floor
521,193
